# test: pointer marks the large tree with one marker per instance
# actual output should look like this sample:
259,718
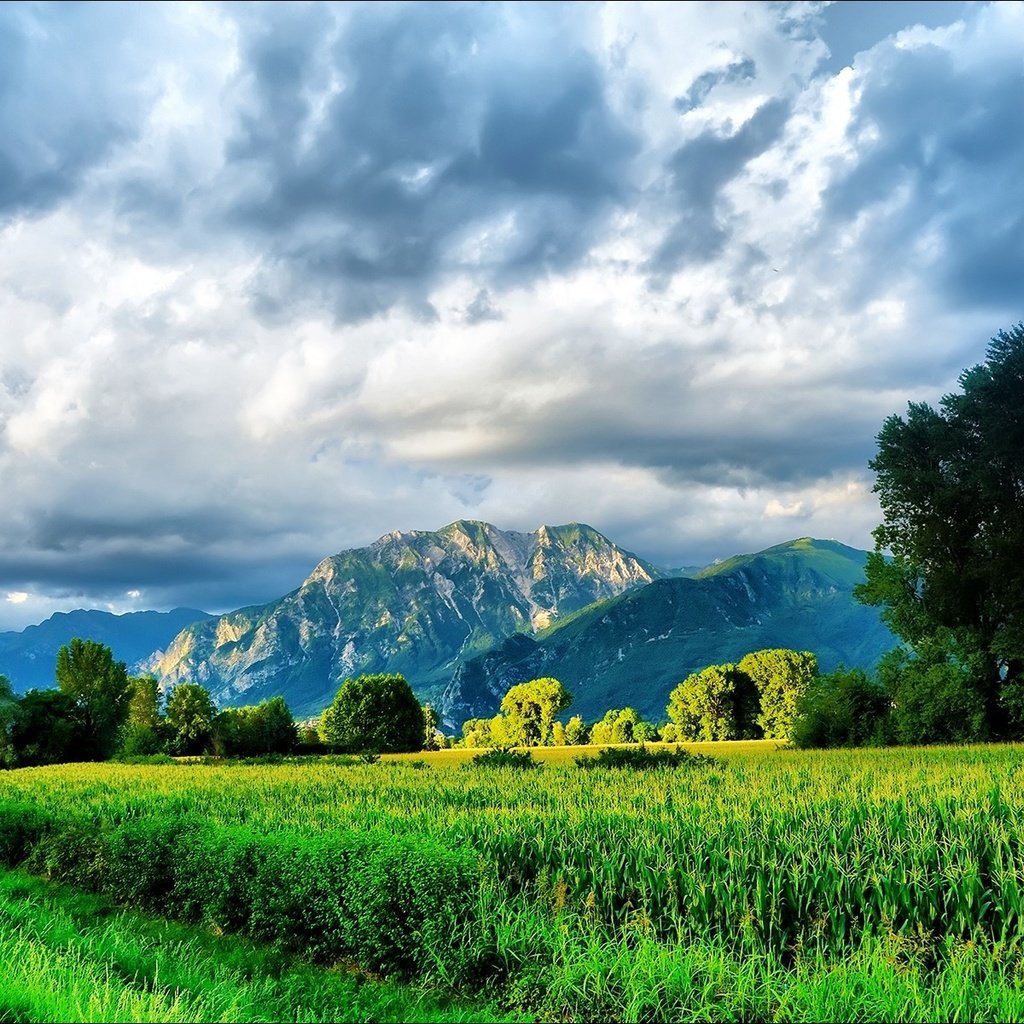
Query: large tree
89,675
718,703
378,713
190,716
529,710
781,677
947,568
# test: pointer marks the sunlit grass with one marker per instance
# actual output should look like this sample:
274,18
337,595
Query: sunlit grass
566,755
68,956
804,877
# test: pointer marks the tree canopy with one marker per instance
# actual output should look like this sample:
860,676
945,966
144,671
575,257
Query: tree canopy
378,713
781,677
98,685
529,710
190,715
718,703
947,567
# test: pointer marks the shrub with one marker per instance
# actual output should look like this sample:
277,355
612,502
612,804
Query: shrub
502,757
643,758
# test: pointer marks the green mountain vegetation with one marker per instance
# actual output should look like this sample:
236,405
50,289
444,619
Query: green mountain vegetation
634,648
416,604
27,656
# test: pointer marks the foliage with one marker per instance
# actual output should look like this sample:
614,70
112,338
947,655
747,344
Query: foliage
503,757
47,728
842,709
8,716
643,758
528,710
950,486
390,903
576,732
476,732
139,740
74,956
717,703
143,701
374,712
265,728
934,699
432,737
781,678
190,715
87,673
620,725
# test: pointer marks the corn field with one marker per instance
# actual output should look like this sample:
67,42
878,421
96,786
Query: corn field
777,851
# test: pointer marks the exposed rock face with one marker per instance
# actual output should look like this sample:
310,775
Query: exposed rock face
632,650
418,603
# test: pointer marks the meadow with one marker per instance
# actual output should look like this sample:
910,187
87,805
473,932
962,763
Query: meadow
773,884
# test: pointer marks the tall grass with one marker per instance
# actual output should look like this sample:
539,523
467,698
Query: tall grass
802,861
69,957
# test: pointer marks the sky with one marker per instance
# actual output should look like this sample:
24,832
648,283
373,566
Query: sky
278,279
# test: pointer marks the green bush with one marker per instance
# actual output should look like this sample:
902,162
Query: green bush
842,709
643,758
502,757
396,905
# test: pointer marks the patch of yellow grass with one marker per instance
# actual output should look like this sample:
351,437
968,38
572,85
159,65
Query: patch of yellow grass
564,755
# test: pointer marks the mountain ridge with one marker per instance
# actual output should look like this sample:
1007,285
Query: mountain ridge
417,602
28,656
634,648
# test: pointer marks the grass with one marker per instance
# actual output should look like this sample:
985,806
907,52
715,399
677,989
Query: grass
773,885
71,956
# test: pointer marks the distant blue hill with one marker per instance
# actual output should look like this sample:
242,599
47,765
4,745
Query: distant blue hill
28,656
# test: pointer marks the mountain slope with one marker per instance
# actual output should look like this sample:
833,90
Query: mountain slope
417,603
633,649
28,657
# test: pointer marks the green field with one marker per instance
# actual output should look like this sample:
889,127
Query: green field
869,884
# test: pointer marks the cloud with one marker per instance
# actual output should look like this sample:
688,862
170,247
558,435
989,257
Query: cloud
276,279
411,142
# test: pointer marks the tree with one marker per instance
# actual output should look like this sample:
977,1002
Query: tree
264,728
842,709
619,725
934,698
432,737
781,678
575,731
142,732
951,486
717,703
88,674
48,729
377,713
190,715
8,717
530,708
476,732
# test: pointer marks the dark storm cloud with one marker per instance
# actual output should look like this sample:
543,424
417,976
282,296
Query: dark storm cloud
443,122
63,107
699,170
948,152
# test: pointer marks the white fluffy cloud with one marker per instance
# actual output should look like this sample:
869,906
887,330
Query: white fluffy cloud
275,280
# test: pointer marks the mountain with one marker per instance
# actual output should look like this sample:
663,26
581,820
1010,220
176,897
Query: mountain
28,657
418,603
633,649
